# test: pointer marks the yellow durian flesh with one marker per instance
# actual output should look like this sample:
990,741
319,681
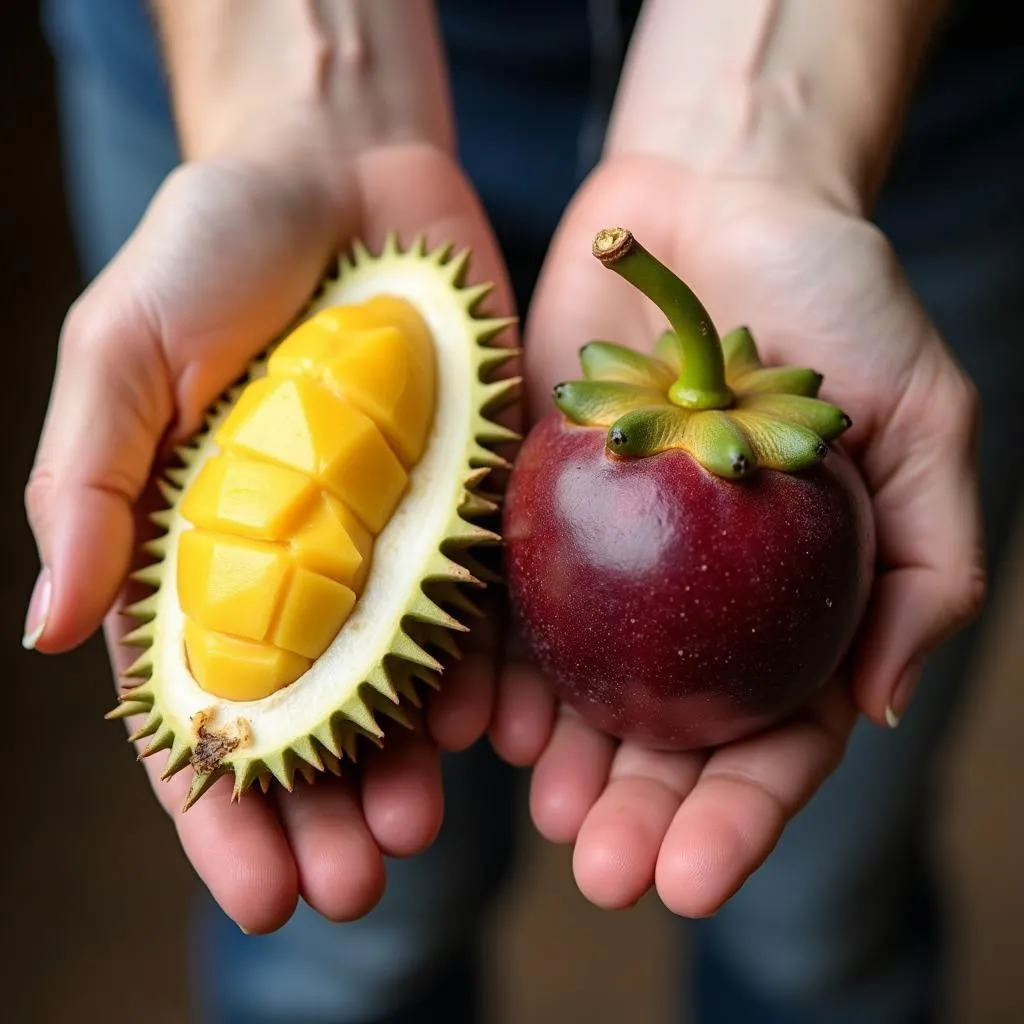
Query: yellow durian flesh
405,556
285,512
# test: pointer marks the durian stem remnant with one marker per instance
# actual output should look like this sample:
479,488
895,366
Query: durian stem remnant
701,382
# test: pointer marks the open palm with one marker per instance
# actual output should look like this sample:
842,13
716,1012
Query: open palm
227,255
818,288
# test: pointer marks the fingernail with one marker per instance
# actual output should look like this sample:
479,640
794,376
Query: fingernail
38,610
903,693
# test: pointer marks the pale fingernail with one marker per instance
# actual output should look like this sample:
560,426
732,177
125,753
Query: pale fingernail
38,610
903,693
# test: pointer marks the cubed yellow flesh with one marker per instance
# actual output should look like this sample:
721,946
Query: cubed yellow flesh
314,458
379,356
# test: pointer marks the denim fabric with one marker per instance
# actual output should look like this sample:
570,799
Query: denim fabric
840,924
315,972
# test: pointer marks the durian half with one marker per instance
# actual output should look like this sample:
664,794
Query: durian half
408,599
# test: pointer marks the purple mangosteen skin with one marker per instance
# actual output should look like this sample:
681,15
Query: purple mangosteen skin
672,607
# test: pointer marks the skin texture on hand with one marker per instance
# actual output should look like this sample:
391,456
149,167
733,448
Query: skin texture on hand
821,288
228,253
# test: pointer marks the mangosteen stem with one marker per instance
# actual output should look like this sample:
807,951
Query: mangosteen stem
701,382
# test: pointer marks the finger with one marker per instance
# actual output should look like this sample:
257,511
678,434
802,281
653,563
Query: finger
402,797
239,850
524,714
618,844
109,406
340,868
569,777
457,715
745,796
930,543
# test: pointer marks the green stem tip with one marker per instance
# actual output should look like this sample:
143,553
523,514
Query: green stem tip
701,382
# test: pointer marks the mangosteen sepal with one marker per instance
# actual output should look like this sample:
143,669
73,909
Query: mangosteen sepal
708,396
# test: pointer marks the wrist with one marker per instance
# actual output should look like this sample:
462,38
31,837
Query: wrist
798,93
352,74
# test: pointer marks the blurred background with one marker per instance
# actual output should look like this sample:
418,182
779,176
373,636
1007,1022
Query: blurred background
95,889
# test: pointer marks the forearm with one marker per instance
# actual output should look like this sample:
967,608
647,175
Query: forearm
370,71
811,92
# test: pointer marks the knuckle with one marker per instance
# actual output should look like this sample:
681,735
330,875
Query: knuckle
108,327
85,332
38,495
965,401
969,594
955,408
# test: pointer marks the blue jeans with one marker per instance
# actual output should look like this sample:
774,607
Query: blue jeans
841,924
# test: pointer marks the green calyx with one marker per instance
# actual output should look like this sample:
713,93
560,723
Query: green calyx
710,397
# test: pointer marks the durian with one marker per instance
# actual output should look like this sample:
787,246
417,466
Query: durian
318,530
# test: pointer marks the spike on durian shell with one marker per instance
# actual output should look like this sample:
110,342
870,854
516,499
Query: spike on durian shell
148,728
231,738
407,688
379,684
178,475
178,758
444,641
141,636
390,709
457,267
163,739
127,709
423,609
170,494
306,749
201,782
455,598
142,611
246,773
137,692
358,715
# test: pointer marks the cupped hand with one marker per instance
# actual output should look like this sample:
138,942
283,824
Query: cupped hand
819,287
226,256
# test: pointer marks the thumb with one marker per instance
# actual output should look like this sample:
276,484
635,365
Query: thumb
110,405
194,293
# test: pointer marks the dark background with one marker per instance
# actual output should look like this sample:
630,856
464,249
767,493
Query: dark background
94,886
95,891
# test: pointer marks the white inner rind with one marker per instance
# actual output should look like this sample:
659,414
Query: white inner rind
401,552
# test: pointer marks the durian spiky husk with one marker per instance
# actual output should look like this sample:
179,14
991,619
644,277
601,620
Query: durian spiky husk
414,591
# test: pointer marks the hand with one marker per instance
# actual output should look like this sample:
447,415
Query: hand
228,253
819,287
